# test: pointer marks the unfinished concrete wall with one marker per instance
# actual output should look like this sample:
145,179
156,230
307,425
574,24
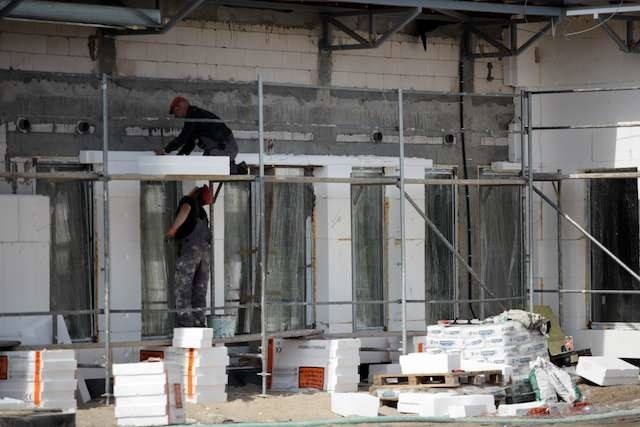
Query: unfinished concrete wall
214,62
585,60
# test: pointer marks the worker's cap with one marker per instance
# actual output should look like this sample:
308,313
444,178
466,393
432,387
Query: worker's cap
175,102
205,195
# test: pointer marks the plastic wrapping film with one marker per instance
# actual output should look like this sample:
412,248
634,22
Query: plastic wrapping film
287,207
158,202
501,245
614,216
367,204
439,260
71,247
238,255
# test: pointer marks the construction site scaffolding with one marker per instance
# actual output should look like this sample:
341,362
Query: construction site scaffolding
527,178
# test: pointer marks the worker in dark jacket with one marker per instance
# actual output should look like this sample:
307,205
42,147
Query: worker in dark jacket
215,138
192,233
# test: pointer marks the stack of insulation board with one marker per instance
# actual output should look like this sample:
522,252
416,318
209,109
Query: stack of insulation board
43,379
148,393
506,343
204,372
330,365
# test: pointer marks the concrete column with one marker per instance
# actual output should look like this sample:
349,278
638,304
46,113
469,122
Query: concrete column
333,250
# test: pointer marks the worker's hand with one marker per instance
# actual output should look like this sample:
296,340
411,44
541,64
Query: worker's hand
171,234
160,152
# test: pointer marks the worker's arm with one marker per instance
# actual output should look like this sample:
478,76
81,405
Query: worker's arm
183,213
186,137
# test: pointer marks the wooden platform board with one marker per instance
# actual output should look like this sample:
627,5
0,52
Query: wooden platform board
454,379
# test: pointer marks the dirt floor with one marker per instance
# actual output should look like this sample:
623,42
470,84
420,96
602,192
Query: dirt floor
244,405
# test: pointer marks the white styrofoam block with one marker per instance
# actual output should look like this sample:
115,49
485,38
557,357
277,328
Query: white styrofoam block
46,386
425,404
485,400
45,355
34,223
183,165
424,363
192,337
9,215
604,370
463,411
143,421
142,380
517,409
141,368
354,404
125,390
219,378
153,400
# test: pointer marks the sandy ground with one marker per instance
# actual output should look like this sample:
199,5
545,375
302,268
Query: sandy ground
244,405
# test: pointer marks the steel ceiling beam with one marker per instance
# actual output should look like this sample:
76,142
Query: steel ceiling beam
469,6
182,14
503,51
8,8
602,10
363,43
627,44
83,14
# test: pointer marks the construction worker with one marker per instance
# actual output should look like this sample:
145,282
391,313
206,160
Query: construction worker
215,138
191,231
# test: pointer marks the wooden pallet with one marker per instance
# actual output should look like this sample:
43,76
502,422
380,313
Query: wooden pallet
454,379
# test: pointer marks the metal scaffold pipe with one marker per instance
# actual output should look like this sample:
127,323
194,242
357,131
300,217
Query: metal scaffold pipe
105,238
262,242
403,243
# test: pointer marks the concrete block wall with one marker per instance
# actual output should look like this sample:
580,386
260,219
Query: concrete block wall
45,47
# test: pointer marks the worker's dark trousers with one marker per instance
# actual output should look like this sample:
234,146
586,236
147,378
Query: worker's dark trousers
192,277
228,147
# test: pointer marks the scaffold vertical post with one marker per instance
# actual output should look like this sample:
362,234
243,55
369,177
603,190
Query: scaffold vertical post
403,266
262,241
530,202
105,238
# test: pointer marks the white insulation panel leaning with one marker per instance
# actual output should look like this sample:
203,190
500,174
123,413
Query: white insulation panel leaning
606,371
44,379
354,404
148,393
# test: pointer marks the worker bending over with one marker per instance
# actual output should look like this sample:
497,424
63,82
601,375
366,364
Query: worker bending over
192,233
215,138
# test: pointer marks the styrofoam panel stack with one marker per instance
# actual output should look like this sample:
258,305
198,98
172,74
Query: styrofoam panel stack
148,393
44,379
203,370
606,371
192,337
322,364
508,343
